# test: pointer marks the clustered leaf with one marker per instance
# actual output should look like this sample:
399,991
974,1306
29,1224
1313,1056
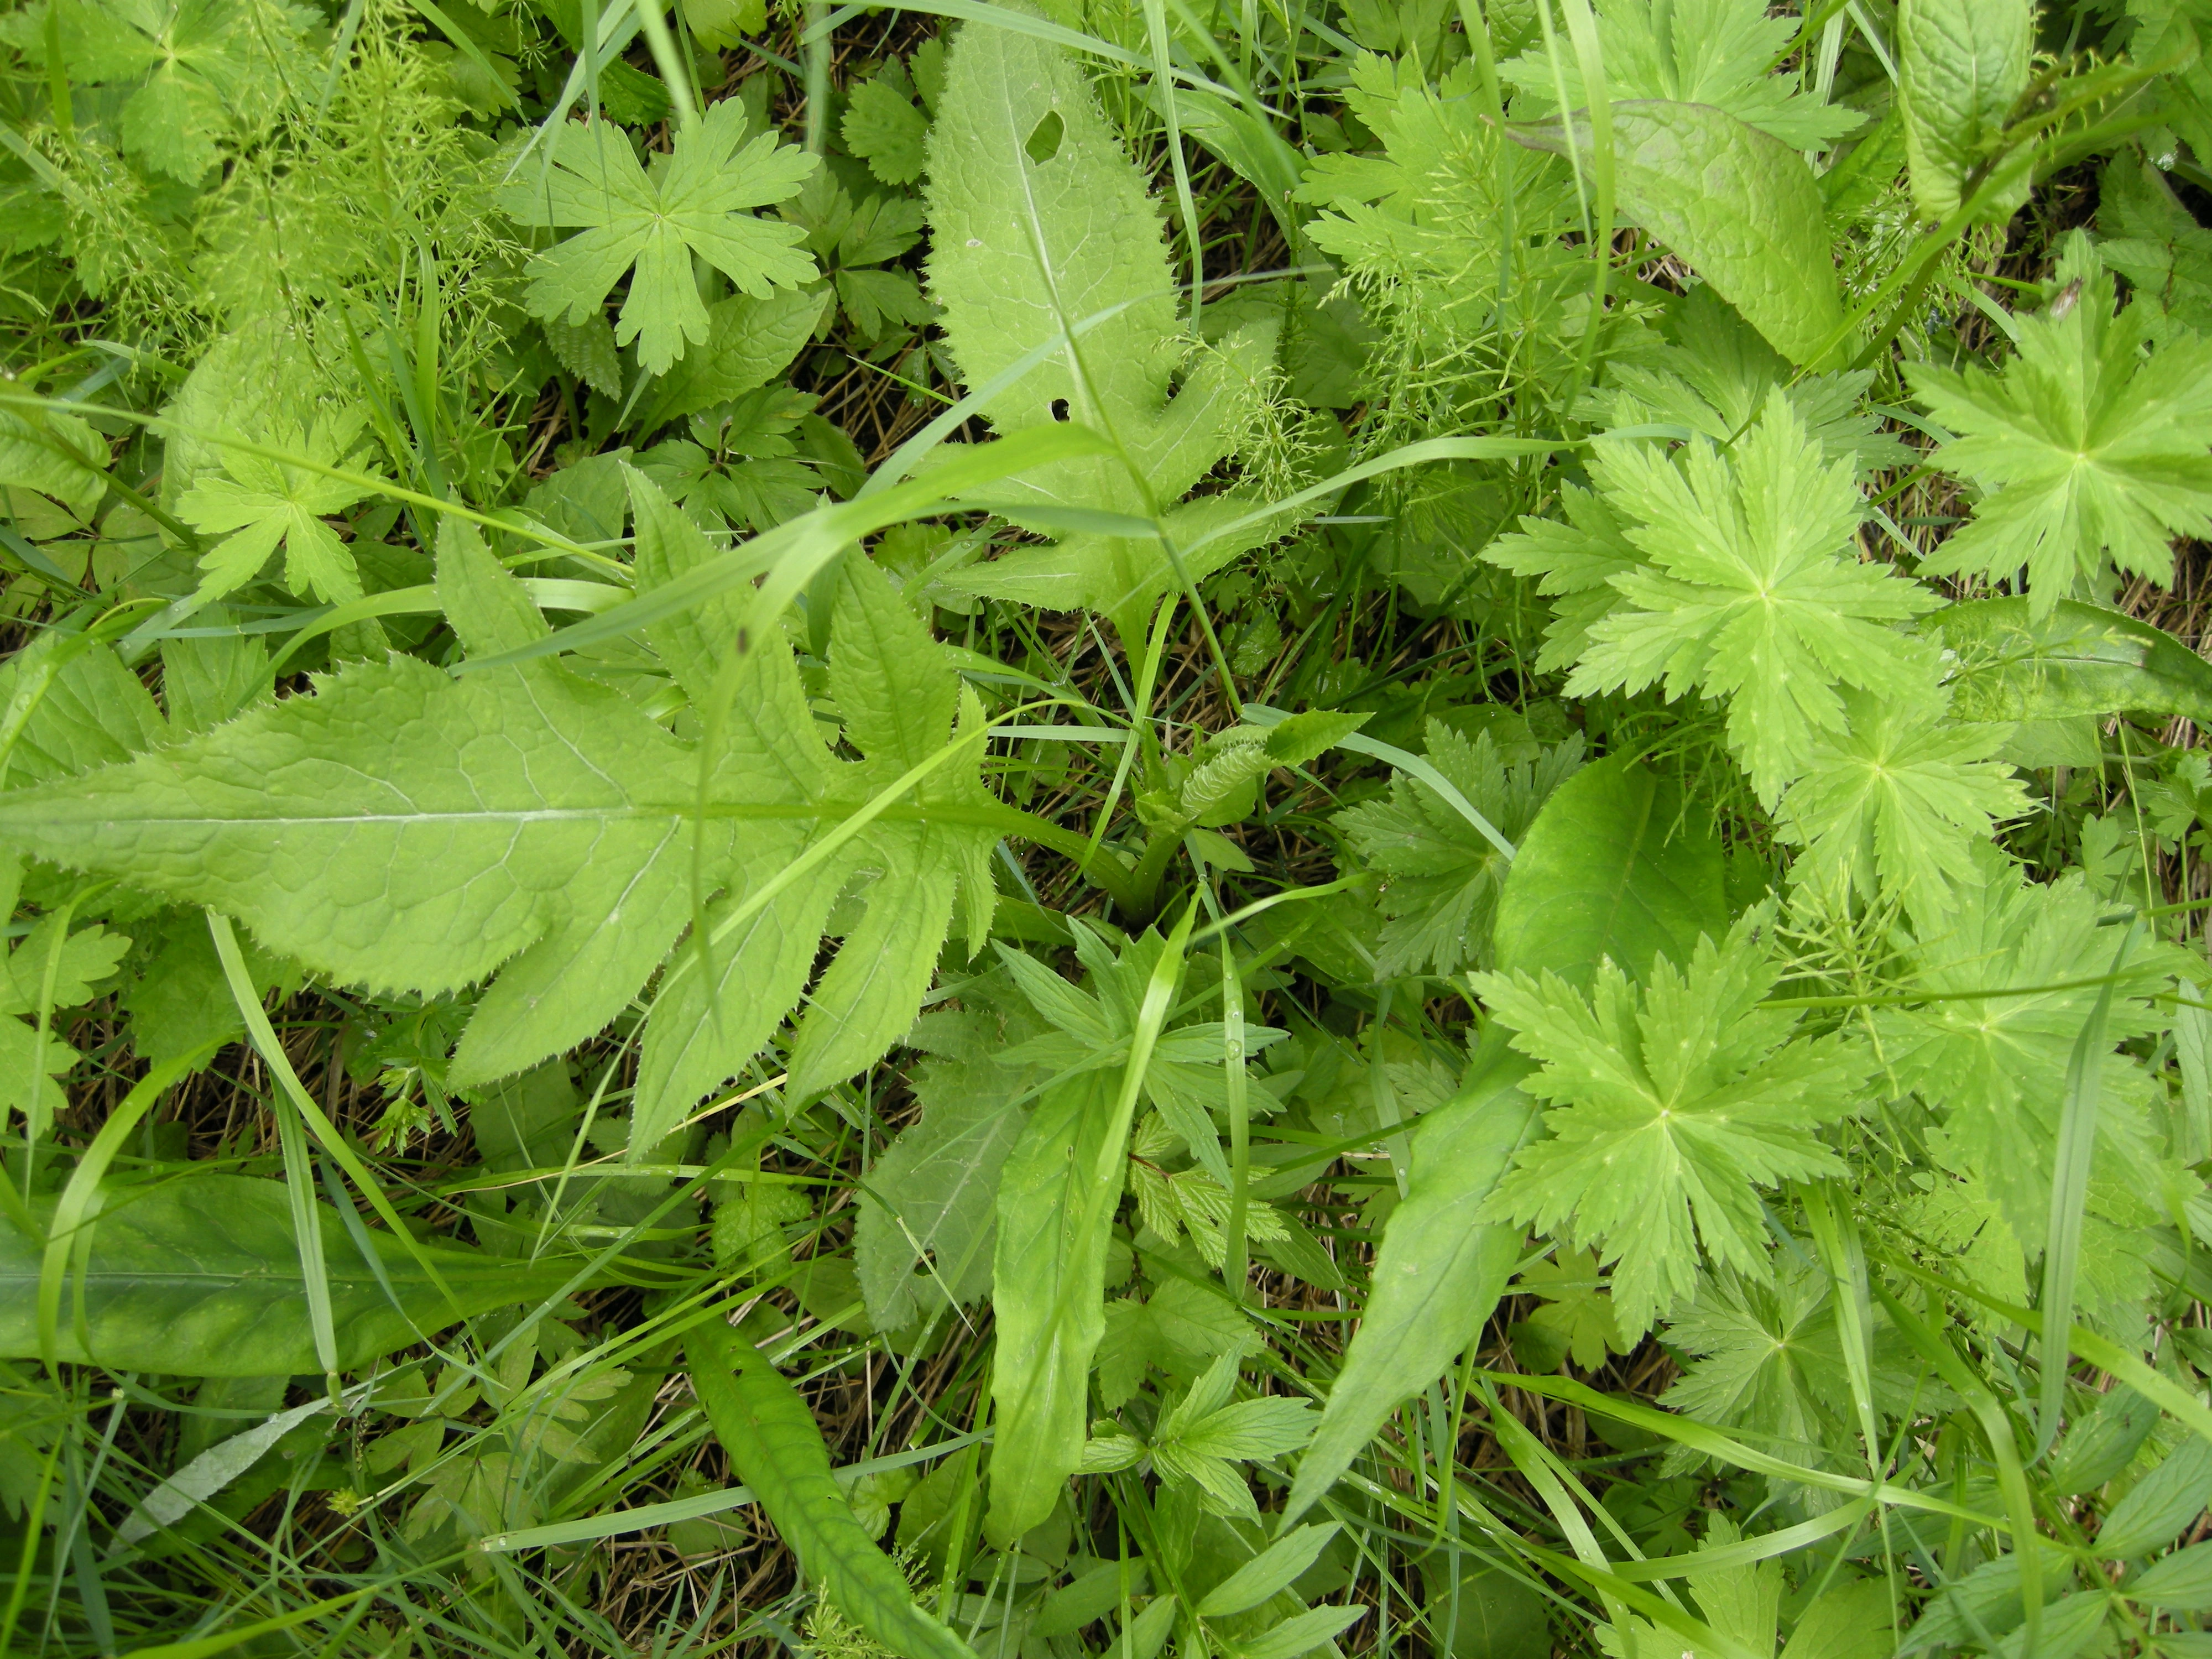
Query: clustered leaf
1670,1107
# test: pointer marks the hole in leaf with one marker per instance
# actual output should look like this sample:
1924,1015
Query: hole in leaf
1044,141
1060,409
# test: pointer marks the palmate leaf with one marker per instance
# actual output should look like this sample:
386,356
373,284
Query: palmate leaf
407,830
693,203
264,504
1577,1307
1670,1109
1030,237
2084,448
1748,592
1895,804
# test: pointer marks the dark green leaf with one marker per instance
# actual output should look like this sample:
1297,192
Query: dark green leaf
201,1277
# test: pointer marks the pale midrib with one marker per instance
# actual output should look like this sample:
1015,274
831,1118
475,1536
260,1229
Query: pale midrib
902,813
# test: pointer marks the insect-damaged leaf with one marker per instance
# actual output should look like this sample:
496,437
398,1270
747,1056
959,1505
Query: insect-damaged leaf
1029,239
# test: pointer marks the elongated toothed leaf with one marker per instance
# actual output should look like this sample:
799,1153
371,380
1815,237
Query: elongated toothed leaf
777,1450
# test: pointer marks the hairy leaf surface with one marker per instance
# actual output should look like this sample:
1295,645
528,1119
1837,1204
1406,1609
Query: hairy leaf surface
409,829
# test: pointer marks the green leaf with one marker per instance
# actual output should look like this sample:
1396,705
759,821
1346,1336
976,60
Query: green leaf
1738,204
89,710
694,205
750,340
2085,448
336,826
403,828
1225,772
1476,1611
1576,1307
1742,1603
775,1448
2182,1581
1669,1108
1183,1075
1764,1358
202,1276
1020,250
2158,1508
1994,1066
928,1210
1712,52
884,129
1203,1436
264,504
1893,806
1441,877
2100,1445
1431,211
1050,1278
58,455
1753,590
1437,1275
2154,242
1300,1633
1846,1621
1056,1203
2074,660
1961,66
1616,869
1181,1330
205,681
1270,1570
